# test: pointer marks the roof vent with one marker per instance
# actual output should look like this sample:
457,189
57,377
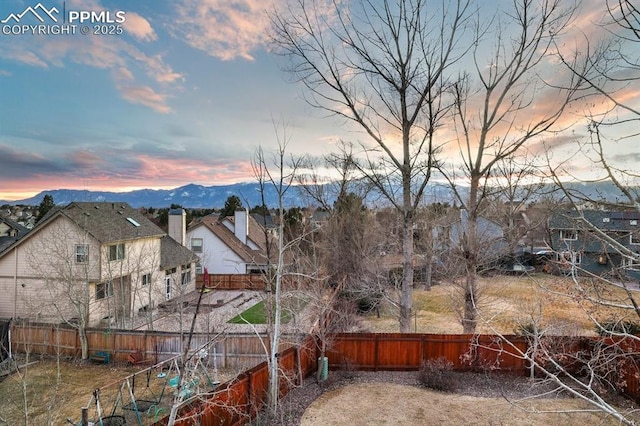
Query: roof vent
606,219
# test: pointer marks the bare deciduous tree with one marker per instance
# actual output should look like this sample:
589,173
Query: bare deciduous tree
498,110
280,175
384,67
67,281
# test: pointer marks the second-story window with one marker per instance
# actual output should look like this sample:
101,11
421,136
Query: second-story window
568,234
634,238
116,251
196,245
146,279
82,253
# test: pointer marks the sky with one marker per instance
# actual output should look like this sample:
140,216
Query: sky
180,92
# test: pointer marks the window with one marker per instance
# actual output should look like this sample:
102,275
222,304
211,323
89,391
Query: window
568,234
196,245
146,279
569,257
198,268
631,263
167,287
634,239
104,290
116,252
186,274
82,253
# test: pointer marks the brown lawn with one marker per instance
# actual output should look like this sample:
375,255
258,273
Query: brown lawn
51,394
505,302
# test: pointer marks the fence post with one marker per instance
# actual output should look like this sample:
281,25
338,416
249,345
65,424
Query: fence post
296,366
249,395
376,350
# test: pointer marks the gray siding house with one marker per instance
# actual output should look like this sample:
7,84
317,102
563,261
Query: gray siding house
603,243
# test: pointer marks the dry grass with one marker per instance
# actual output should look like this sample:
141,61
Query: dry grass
52,394
393,404
506,302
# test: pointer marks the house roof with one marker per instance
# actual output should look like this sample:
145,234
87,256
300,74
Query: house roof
256,232
111,222
246,253
20,231
628,221
486,229
265,221
106,222
173,254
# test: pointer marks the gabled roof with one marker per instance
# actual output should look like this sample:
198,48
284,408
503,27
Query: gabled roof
19,232
246,253
106,222
256,232
486,230
173,254
111,222
628,221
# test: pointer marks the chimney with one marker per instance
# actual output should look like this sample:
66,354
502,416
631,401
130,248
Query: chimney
241,225
178,225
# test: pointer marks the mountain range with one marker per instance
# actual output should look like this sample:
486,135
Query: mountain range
199,196
190,196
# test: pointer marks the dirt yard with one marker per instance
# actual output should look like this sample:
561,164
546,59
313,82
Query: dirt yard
394,398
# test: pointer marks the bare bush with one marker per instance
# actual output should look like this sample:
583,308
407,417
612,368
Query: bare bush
437,374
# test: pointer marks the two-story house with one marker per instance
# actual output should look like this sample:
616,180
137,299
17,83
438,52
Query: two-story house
231,245
92,262
598,242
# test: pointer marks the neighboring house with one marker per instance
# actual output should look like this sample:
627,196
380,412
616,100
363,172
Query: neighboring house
230,245
579,241
105,258
489,236
10,231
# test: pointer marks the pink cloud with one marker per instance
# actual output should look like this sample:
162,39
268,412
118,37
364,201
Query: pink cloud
152,172
139,27
23,56
224,29
145,95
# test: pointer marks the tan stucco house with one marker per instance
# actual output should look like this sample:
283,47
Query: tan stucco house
98,262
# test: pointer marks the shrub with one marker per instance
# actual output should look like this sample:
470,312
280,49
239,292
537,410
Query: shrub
437,374
607,328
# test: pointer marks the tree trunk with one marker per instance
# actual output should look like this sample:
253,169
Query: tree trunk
407,274
471,247
84,342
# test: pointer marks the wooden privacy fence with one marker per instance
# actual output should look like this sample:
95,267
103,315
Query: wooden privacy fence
254,282
405,351
233,281
237,402
235,351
